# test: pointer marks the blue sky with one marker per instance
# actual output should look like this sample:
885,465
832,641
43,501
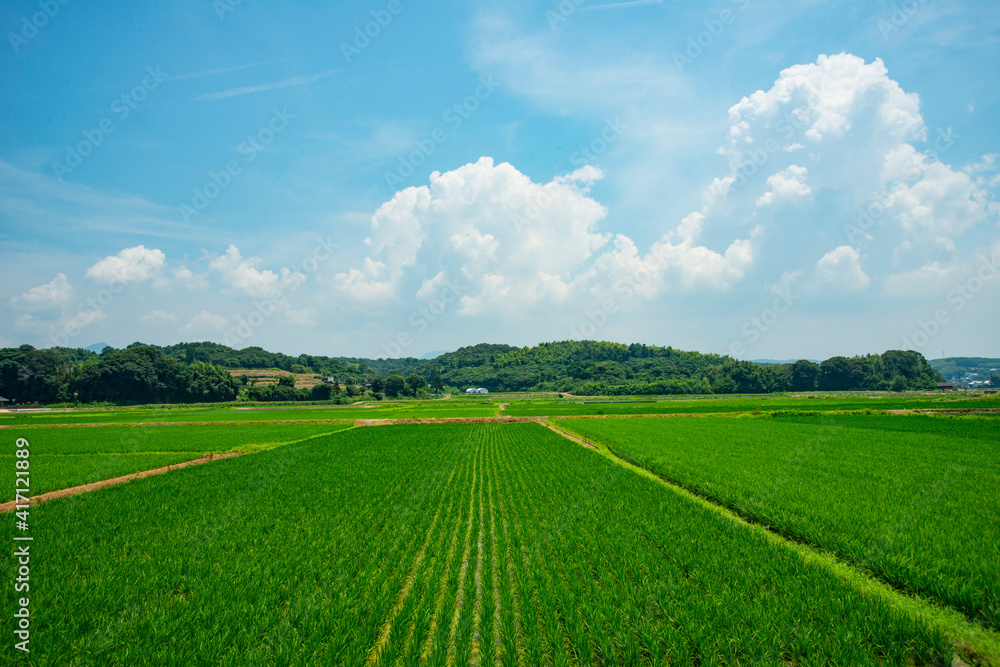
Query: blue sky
390,178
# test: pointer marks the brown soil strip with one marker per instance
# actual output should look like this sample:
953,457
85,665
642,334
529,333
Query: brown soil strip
948,411
65,493
670,415
276,422
447,420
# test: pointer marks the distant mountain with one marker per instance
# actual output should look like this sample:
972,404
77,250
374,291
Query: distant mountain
435,354
96,348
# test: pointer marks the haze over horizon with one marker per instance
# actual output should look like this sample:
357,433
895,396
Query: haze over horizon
752,178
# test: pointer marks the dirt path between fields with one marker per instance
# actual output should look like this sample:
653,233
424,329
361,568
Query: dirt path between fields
72,491
448,420
276,422
570,436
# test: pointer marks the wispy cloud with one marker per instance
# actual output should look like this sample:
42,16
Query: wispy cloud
222,70
190,75
300,80
619,5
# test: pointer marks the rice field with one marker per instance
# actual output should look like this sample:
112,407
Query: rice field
911,499
72,456
188,414
439,544
874,401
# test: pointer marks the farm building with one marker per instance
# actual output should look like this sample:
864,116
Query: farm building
946,386
477,390
4,402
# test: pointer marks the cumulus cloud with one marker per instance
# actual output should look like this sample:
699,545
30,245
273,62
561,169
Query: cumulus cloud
131,265
840,269
786,184
55,294
508,244
185,277
823,102
488,225
243,276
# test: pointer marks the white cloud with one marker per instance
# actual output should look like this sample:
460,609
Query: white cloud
26,321
206,321
928,279
488,226
823,102
243,276
131,265
56,294
300,80
161,316
786,184
187,278
841,270
81,320
941,201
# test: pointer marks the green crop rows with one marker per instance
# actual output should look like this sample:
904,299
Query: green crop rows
912,499
437,544
65,457
762,403
413,410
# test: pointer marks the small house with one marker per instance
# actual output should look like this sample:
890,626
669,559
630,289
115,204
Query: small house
4,402
946,386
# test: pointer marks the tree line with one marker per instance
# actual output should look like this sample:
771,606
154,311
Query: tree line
201,373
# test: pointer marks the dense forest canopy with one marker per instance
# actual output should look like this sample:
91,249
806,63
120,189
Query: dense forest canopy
201,372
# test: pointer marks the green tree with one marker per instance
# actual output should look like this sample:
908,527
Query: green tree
378,384
414,383
286,381
322,392
394,385
805,375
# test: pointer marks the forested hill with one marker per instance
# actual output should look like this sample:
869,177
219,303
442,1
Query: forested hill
208,372
567,366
